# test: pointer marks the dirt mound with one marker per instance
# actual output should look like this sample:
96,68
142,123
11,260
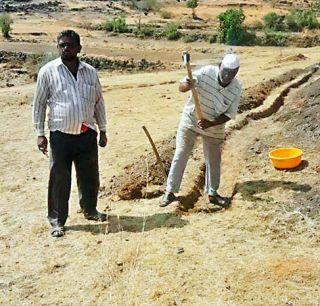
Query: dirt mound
144,170
299,120
254,96
303,116
292,58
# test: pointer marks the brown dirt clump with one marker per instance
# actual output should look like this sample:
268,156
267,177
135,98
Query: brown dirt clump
292,58
142,172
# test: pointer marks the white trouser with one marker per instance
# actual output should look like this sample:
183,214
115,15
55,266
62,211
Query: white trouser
212,154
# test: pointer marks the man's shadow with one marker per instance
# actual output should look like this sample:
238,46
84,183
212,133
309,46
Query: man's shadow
133,224
250,189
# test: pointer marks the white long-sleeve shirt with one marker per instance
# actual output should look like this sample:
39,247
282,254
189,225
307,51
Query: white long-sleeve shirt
71,101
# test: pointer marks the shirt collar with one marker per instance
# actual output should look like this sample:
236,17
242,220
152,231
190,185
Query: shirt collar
59,63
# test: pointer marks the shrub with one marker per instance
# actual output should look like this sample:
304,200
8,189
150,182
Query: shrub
231,29
249,38
274,22
291,23
171,31
308,19
277,39
193,4
165,14
5,24
108,26
297,20
117,25
145,31
213,38
257,25
190,38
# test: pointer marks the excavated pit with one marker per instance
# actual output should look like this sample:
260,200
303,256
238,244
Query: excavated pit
144,170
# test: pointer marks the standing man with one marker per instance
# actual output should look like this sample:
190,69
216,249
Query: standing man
219,93
72,91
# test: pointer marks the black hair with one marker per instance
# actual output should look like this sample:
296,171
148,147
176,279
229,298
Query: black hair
69,33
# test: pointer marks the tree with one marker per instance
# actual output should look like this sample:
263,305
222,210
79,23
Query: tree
231,29
193,4
5,25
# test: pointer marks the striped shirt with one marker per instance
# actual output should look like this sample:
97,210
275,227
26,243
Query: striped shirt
215,100
71,101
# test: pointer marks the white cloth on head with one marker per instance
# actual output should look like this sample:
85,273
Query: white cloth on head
230,61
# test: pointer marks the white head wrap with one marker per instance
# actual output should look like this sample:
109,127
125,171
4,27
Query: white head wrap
230,61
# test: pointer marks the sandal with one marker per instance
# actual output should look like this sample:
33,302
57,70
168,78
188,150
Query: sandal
96,216
219,200
57,231
167,198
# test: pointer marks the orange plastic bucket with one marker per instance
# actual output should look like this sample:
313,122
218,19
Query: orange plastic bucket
286,158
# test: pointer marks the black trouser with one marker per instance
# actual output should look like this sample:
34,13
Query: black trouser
83,151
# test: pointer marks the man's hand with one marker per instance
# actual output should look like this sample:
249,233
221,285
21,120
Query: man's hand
42,143
190,83
204,124
185,86
103,139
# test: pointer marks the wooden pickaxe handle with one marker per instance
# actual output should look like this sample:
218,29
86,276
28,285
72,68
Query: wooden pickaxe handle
156,152
186,59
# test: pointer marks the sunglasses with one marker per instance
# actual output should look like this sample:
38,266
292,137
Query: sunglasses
64,45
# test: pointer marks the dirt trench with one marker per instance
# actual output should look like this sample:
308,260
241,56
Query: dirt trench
144,173
254,96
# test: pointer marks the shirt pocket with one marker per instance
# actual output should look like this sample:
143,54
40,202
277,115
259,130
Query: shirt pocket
88,93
